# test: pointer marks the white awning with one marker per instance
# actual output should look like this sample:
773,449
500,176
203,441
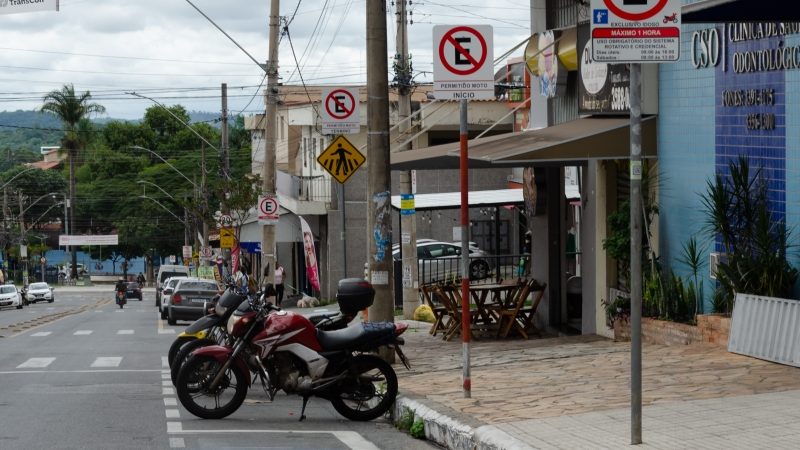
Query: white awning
497,197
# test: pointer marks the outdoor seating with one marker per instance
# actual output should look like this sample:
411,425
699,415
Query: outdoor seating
450,297
515,315
441,318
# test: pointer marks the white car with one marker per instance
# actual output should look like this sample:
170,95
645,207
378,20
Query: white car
441,260
39,292
10,296
169,286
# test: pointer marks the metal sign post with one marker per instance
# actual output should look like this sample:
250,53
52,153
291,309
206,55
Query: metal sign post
465,317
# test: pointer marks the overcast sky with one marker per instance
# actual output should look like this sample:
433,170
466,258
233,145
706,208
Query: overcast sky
166,50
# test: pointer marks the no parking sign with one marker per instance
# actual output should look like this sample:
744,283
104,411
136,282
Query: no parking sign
463,62
340,111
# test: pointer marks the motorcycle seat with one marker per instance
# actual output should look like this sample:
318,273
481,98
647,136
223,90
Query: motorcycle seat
361,336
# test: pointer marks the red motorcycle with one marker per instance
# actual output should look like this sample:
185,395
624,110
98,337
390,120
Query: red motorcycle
672,18
286,352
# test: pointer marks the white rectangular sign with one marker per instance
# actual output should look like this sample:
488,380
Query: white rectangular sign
93,239
268,210
23,6
463,62
636,31
340,112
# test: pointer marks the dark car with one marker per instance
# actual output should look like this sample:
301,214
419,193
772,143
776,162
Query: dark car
133,290
188,297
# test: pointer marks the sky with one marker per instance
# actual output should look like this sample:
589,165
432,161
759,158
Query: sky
166,50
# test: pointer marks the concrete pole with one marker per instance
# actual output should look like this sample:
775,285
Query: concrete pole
379,223
226,170
270,140
408,222
636,253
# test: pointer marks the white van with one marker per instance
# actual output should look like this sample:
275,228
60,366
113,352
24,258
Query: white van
168,271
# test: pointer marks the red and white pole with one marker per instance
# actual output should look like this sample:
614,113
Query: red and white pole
465,316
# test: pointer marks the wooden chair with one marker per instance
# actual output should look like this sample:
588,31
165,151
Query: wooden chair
451,300
525,315
440,314
516,315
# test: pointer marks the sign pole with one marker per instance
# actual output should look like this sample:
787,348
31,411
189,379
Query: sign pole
465,322
636,252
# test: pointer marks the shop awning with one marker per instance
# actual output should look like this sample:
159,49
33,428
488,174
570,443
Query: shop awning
496,197
716,11
571,142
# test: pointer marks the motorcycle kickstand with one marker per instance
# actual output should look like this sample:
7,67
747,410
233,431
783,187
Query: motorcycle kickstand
303,411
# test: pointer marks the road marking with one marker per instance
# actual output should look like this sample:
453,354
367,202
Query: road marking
82,332
164,361
42,334
170,401
351,439
167,391
169,331
36,363
9,372
125,332
167,382
173,414
165,376
107,361
176,442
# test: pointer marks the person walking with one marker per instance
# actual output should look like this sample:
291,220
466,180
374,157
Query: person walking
280,274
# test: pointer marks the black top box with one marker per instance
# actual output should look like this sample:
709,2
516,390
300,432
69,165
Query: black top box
354,294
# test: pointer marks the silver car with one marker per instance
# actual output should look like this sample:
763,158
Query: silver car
188,298
39,292
166,291
441,260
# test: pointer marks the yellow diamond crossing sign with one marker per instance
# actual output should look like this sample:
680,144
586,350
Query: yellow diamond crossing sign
341,159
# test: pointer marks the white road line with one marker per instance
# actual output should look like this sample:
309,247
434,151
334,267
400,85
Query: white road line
170,401
36,363
166,382
166,376
82,332
164,361
27,372
349,438
176,443
167,391
173,414
107,361
42,334
125,332
167,331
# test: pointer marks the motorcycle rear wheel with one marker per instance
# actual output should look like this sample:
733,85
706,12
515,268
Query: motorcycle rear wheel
192,388
372,385
183,353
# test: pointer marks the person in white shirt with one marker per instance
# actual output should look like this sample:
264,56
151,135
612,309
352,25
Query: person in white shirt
280,274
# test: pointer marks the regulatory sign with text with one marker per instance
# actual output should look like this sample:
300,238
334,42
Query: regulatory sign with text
636,30
24,6
463,62
268,210
340,111
341,159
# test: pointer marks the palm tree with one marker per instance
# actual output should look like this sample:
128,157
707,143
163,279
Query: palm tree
70,109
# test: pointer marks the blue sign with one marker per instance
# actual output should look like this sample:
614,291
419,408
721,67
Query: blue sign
600,16
251,247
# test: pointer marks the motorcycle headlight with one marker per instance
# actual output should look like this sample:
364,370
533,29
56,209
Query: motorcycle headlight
230,324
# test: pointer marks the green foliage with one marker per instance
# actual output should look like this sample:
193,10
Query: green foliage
754,242
692,257
406,419
418,429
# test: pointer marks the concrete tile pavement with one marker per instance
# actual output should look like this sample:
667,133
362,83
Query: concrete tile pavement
573,392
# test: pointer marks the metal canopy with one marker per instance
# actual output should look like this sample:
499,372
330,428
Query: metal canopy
573,142
497,197
716,11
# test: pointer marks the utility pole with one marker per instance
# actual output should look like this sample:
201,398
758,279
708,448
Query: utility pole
408,222
226,168
379,223
270,142
203,196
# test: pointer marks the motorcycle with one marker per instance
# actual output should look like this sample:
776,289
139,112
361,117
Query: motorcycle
210,329
121,300
286,352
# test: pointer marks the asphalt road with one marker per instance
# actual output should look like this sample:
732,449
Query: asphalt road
80,373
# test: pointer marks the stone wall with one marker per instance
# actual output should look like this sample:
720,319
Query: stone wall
710,328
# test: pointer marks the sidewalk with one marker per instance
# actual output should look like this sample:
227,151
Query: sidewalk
573,393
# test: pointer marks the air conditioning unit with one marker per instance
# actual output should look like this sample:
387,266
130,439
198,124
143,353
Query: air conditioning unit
713,261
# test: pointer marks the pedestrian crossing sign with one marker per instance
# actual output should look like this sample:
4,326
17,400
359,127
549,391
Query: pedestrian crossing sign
341,159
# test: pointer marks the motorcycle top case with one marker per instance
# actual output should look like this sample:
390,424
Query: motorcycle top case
354,294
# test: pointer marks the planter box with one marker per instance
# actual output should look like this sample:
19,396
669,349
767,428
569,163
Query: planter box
710,328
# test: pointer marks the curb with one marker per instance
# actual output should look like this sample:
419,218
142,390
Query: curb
455,435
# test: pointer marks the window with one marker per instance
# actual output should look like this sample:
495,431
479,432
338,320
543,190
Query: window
7,289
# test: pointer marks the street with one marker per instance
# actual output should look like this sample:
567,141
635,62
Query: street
82,373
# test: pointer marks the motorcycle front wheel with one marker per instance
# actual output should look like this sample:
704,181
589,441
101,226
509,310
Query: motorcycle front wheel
192,387
368,392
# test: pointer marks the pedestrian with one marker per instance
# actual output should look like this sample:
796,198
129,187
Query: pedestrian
140,279
280,274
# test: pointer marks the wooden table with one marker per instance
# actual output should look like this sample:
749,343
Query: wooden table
489,297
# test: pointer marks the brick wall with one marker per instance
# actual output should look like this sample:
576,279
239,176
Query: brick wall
710,328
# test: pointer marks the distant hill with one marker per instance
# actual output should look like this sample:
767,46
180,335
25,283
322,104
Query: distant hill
30,130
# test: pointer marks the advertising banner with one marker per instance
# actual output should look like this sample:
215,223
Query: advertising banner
312,271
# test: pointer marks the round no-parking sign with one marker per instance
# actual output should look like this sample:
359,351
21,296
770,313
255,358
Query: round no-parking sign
340,113
463,62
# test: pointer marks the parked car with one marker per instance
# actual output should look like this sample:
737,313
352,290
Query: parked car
441,260
10,296
132,290
167,271
166,292
38,292
188,298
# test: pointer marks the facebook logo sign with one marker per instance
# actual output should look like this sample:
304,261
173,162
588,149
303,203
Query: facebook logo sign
600,16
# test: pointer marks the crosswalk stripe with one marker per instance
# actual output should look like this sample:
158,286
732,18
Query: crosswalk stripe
42,334
82,332
36,363
125,332
107,361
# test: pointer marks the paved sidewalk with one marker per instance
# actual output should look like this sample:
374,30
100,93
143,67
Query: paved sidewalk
573,393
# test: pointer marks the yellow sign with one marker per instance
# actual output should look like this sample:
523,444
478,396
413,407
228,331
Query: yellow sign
226,238
341,159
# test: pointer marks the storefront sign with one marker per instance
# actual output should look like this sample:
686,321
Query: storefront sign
602,88
709,47
637,31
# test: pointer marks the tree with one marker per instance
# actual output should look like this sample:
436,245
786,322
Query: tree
70,109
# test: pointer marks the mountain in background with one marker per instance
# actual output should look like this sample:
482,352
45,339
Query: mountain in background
28,131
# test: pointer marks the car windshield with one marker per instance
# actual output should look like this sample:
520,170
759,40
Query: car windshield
7,289
37,286
166,275
172,283
197,286
133,285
